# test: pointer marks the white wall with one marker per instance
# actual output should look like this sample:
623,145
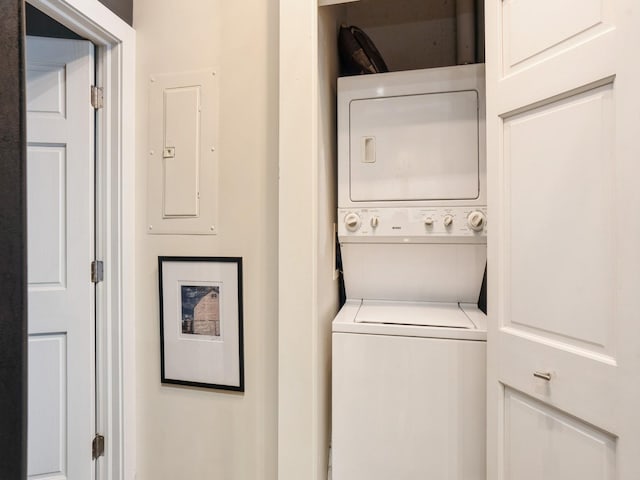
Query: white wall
297,427
188,433
308,291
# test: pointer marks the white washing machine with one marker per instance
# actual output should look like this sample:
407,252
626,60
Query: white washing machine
409,399
409,344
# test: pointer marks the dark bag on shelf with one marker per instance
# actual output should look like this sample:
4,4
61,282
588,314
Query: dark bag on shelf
358,54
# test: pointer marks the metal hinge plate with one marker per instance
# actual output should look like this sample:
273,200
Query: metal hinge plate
97,97
97,447
97,271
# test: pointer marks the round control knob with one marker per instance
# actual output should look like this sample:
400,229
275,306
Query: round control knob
352,221
476,220
374,222
448,220
428,221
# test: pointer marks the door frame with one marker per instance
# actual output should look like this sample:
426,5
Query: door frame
115,225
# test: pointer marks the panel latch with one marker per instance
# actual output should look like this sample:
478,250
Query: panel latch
169,152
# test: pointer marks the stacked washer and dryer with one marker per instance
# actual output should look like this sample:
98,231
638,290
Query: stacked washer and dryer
409,343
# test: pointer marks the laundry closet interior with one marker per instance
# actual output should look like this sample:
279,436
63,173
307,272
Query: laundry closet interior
405,159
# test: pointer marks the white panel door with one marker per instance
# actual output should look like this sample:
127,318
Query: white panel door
60,186
563,119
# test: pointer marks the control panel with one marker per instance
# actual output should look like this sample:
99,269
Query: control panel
437,223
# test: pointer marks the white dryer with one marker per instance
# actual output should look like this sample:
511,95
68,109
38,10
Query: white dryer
409,344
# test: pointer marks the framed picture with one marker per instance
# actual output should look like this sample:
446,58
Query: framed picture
201,322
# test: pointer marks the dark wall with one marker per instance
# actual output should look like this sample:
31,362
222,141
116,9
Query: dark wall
41,25
122,8
13,274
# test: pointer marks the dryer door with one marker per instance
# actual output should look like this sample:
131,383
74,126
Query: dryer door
414,147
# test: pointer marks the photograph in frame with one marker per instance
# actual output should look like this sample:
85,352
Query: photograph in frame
200,305
201,324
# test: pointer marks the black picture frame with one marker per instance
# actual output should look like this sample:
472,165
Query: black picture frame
201,316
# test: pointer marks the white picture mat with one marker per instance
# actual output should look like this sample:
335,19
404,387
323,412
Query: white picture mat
211,360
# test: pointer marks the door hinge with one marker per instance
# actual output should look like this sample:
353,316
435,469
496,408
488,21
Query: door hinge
97,97
97,446
97,271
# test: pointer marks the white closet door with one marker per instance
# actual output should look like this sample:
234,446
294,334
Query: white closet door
60,185
563,125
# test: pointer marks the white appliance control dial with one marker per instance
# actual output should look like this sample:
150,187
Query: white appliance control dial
476,220
428,221
352,221
374,222
448,220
